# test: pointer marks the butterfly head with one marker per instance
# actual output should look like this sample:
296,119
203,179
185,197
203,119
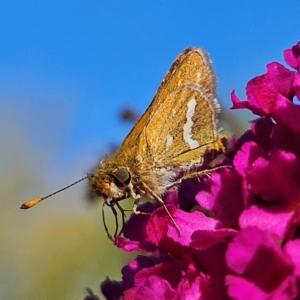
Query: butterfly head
111,183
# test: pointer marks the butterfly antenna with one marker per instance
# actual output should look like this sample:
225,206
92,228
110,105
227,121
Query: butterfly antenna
34,202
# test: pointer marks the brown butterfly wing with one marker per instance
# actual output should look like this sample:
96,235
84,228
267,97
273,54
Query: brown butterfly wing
180,124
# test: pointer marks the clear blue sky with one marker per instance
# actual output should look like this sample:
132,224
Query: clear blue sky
68,67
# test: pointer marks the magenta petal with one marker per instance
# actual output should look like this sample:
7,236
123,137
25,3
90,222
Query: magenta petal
187,192
113,289
290,59
197,285
161,227
162,232
293,227
263,90
139,263
296,51
238,104
262,129
192,291
134,267
171,197
280,176
243,247
204,239
222,196
130,246
246,156
292,248
157,225
170,271
292,56
256,254
288,113
135,227
272,219
296,85
155,288
243,162
190,284
240,288
287,290
285,139
188,224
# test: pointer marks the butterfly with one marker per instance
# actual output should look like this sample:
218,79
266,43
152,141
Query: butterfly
177,133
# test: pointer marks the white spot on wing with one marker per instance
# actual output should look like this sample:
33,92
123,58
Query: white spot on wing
199,76
187,128
169,141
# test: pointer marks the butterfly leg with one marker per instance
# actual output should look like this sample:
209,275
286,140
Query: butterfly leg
104,223
195,175
136,203
112,204
123,216
158,199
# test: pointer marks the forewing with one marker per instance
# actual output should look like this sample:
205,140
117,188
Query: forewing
183,114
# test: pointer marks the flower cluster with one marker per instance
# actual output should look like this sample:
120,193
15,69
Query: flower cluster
240,232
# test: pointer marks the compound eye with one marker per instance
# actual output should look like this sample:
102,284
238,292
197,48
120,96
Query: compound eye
121,177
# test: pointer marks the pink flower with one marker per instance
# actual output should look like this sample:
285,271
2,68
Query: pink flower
261,267
240,227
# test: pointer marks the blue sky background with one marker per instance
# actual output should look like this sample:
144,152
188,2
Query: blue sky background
67,68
